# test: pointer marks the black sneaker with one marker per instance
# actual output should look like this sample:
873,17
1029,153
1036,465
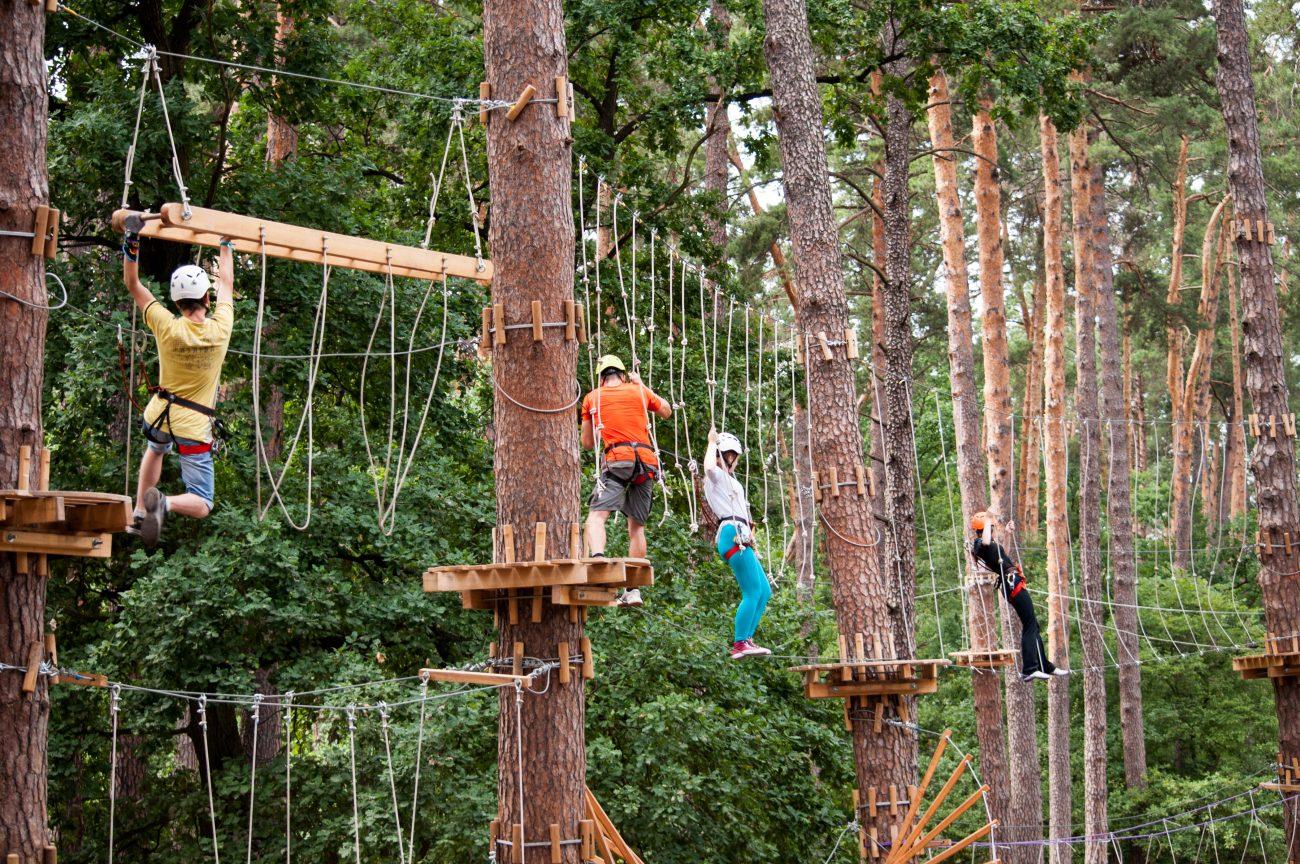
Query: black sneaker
155,510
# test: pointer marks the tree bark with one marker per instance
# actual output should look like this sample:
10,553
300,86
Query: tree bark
982,609
1119,505
1180,512
24,186
858,587
1092,607
1235,460
1058,535
1273,459
281,135
1031,410
541,750
716,155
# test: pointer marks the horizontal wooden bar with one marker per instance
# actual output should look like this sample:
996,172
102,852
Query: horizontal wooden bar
50,543
464,676
206,227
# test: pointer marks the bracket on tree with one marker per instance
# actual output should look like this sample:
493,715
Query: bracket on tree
1271,541
45,228
1257,230
1262,425
859,479
495,329
252,236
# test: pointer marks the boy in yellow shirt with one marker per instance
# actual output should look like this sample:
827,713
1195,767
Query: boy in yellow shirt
191,349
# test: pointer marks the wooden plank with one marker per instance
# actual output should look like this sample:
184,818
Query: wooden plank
920,845
588,660
536,309
587,830
826,690
51,248
539,542
100,517
825,343
50,854
52,652
489,679
580,312
484,94
38,229
561,97
38,511
536,616
25,468
43,466
33,667
512,607
48,543
518,660
583,595
308,245
517,843
570,331
960,845
565,671
555,843
507,535
521,103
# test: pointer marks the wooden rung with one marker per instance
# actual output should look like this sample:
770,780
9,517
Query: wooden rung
518,659
555,844
25,468
484,94
826,346
851,343
465,676
517,843
561,96
498,324
253,236
817,487
34,654
588,660
860,472
536,613
521,103
565,671
575,540
50,855
38,230
485,341
835,482
508,543
587,830
43,470
570,320
539,542
512,606
51,248
536,308
893,800
871,802
580,312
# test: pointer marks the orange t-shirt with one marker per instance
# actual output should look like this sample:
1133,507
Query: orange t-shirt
624,412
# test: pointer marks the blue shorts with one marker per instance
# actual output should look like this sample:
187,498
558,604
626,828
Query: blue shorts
196,468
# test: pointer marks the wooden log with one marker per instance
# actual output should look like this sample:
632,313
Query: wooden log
871,802
25,468
38,228
587,830
52,652
521,103
536,308
956,848
38,511
575,540
580,314
565,672
561,97
50,855
588,660
835,482
43,468
34,653
860,472
49,543
851,343
826,347
253,236
485,340
909,837
921,844
508,543
51,249
498,324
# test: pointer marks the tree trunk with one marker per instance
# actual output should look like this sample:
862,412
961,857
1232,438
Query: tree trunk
1119,505
1031,410
281,135
1235,461
24,186
537,464
716,155
1273,460
1180,508
270,715
1058,534
801,508
982,610
859,589
1092,607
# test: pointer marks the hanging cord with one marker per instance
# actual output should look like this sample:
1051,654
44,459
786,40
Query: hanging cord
306,418
145,68
519,756
113,708
436,179
599,312
387,302
150,68
588,312
629,313
288,778
207,771
726,363
392,780
419,754
252,775
469,193
63,289
352,755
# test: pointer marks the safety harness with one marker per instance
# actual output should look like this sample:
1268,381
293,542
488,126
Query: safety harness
641,472
170,399
736,546
1016,587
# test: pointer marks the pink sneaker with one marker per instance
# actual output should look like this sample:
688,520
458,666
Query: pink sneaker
739,650
755,650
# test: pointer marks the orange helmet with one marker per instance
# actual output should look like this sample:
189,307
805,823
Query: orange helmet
977,522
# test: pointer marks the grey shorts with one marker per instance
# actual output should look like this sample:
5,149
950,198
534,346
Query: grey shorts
615,491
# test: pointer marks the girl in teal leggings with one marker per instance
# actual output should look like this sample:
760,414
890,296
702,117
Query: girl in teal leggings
735,540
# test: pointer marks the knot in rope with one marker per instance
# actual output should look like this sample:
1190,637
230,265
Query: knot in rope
693,466
424,678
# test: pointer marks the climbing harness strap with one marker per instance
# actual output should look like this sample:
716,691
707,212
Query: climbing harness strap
165,419
641,472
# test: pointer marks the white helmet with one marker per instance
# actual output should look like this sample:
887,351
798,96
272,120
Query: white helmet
728,443
190,283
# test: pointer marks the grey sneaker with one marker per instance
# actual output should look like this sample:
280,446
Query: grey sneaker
155,510
1059,671
1036,675
631,597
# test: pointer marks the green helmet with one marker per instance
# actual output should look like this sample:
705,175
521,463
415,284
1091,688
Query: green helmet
609,361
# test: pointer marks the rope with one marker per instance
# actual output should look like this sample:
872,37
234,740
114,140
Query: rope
392,780
519,756
114,708
419,753
43,306
535,409
207,771
252,775
288,784
352,756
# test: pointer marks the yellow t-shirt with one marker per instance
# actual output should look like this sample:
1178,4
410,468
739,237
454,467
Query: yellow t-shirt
189,359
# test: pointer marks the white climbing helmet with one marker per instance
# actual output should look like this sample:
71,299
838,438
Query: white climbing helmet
728,443
190,283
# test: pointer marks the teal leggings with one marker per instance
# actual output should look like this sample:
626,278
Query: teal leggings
754,590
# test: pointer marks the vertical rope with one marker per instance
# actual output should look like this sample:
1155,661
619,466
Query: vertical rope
288,777
392,780
352,755
207,770
419,751
114,706
127,182
171,138
519,764
252,775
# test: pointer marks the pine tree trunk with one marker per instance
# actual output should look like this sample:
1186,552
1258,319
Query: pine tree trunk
281,135
716,155
1236,457
1031,411
1058,535
24,185
1119,505
859,589
1180,508
537,457
1273,459
982,609
1092,606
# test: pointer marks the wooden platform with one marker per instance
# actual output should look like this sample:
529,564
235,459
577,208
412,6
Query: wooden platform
566,582
995,659
871,678
78,524
1281,659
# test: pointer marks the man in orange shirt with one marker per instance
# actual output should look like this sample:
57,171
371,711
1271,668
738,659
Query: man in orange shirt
619,409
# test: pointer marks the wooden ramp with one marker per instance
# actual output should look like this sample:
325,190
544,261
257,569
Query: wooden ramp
40,522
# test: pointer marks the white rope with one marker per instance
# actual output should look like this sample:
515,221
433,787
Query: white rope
135,134
352,755
519,755
959,552
288,779
392,781
306,418
419,755
436,180
171,139
252,775
113,709
207,771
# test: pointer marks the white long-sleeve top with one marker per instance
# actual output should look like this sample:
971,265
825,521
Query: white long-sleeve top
725,494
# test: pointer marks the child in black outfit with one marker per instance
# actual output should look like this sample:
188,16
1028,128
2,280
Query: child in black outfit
990,556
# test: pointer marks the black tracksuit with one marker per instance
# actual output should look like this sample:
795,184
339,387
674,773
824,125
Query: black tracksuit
1033,657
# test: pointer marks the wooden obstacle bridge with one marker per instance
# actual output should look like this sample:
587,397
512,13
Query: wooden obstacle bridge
200,226
37,523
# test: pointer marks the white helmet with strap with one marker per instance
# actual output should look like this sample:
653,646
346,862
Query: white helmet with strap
728,443
190,283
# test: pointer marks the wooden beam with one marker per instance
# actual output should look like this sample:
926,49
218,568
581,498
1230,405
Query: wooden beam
48,543
920,845
292,242
914,804
25,468
521,103
465,676
910,837
977,834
